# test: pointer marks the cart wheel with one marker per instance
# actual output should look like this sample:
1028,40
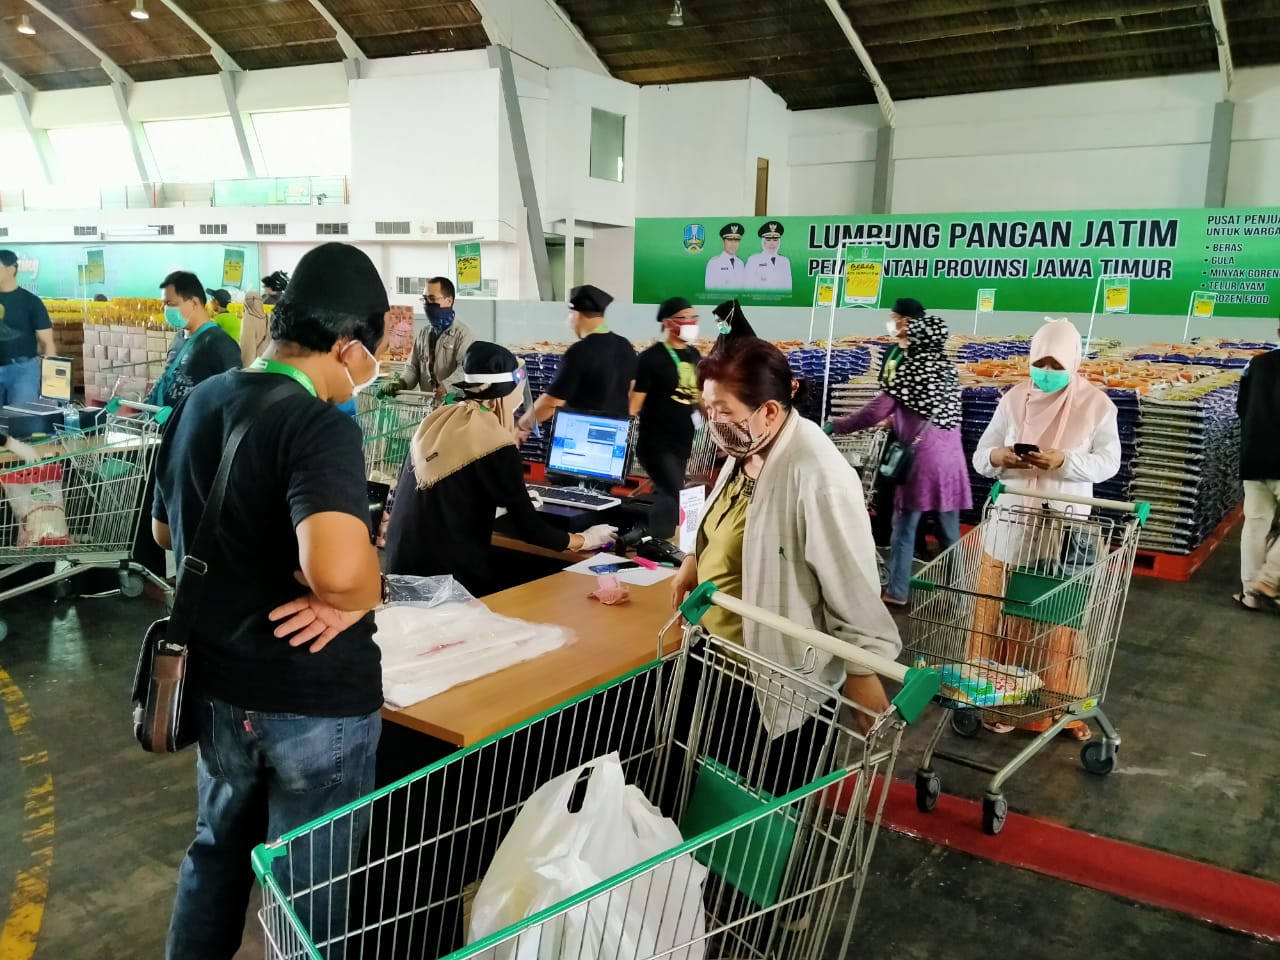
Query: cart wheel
967,723
1098,757
928,786
994,812
62,591
4,629
130,584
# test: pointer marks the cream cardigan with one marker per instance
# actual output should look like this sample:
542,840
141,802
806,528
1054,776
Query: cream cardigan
808,555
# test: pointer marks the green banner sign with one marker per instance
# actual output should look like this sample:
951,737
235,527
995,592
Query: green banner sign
1041,262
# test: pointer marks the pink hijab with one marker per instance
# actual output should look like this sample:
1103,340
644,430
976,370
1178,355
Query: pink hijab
1068,419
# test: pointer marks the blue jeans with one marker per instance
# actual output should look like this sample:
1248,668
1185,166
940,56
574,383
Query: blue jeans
902,547
20,382
259,775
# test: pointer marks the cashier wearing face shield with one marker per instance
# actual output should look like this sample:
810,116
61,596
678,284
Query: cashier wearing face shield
464,466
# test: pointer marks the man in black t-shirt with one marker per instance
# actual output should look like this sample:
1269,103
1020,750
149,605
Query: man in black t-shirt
666,398
282,658
597,372
25,335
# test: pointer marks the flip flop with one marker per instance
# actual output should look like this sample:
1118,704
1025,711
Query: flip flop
1248,601
1000,728
889,601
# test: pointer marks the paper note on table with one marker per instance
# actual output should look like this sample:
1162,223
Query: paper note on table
637,578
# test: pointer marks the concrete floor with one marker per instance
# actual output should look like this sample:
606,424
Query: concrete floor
1193,692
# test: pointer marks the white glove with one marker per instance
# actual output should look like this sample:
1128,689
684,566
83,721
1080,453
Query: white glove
599,537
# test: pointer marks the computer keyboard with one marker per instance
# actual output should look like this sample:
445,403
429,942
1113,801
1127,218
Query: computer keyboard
572,497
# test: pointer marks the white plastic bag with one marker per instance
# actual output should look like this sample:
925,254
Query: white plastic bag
551,854
35,496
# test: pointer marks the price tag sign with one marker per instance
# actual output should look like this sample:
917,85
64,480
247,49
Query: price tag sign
466,258
862,281
826,291
95,268
1115,295
232,267
986,301
1203,304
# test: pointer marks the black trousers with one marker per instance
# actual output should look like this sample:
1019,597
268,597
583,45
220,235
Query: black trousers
666,468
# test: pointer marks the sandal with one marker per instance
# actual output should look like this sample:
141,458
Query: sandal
999,728
1248,600
1078,731
889,601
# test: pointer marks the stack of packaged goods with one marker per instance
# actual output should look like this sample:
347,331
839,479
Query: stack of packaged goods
849,360
125,346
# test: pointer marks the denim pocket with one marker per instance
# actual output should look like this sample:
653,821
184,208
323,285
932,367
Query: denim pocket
207,744
305,752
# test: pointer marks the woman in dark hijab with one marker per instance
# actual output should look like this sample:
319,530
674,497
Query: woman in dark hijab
732,323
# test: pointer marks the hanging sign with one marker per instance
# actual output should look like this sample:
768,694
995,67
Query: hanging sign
863,274
232,267
466,259
95,268
1115,295
1203,304
826,291
987,300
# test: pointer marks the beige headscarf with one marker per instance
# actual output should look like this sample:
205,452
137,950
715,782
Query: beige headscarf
454,436
255,331
1068,419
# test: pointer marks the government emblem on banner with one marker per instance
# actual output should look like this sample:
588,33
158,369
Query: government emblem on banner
695,236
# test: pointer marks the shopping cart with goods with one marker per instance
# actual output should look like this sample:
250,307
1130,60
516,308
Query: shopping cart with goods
776,833
1020,618
388,425
864,451
79,505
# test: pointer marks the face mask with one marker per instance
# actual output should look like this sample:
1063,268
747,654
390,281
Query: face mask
377,369
173,317
736,439
688,332
1050,381
725,327
892,327
440,318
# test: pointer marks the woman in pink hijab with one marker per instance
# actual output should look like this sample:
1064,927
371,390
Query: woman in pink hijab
1070,426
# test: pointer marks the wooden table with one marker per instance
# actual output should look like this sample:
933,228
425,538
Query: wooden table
608,642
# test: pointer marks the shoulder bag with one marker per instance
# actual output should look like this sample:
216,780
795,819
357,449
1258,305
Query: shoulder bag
900,458
164,719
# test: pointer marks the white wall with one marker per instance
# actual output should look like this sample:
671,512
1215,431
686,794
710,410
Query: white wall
832,156
608,263
534,30
767,138
1254,176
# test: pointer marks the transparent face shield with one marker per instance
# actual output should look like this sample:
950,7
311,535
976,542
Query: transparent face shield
518,401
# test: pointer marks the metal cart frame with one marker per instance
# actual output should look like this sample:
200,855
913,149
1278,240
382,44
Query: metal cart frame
865,452
777,864
1021,618
388,425
103,474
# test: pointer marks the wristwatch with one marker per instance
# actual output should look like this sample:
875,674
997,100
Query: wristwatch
386,589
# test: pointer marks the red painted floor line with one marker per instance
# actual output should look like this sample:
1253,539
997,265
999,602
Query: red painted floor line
1210,893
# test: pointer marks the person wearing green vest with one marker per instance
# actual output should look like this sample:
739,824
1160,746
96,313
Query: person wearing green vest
596,374
666,399
201,350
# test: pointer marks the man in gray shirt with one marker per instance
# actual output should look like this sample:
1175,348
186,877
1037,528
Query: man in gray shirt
437,354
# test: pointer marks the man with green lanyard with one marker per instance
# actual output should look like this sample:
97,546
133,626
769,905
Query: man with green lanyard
201,350
666,398
597,372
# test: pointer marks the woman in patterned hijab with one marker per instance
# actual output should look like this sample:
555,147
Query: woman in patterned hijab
923,405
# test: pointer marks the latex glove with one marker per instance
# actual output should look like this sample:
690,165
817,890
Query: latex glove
829,428
599,537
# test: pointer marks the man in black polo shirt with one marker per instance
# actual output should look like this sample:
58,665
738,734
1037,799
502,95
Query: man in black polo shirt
597,372
25,335
666,398
282,658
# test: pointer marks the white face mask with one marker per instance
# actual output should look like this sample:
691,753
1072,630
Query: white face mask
377,369
688,332
892,327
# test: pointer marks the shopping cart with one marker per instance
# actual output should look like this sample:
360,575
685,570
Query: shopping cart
865,452
388,425
1021,618
783,828
703,457
79,506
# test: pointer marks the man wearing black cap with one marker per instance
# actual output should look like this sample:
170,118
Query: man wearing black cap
597,372
666,398
25,335
282,664
768,269
727,271
463,467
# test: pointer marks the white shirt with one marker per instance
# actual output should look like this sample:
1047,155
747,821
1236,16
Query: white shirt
726,272
766,272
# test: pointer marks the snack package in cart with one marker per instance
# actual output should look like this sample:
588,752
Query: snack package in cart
35,497
986,683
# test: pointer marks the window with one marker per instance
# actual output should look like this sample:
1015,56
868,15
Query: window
304,143
94,156
608,140
411,286
21,167
195,151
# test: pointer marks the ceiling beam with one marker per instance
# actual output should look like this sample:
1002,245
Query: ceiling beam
142,155
23,97
873,75
228,80
16,80
350,49
224,60
1225,66
112,69
500,36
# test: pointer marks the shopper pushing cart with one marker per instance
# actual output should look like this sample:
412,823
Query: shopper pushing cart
1021,619
774,835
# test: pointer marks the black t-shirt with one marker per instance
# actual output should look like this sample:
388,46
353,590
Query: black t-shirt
194,359
301,457
1258,405
595,375
22,313
446,529
666,419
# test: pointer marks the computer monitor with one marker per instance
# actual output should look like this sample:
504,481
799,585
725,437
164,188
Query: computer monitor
589,447
55,379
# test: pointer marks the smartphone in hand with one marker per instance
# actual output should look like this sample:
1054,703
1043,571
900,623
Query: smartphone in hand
1022,449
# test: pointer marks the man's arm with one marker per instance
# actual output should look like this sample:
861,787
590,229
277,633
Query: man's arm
44,343
338,561
637,401
412,374
161,534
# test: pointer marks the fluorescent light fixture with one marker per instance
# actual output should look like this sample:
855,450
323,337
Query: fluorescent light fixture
139,12
25,28
677,15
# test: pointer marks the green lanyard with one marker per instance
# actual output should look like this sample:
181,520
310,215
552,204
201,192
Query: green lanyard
603,328
263,365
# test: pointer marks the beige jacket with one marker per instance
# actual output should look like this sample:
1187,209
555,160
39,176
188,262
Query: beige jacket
808,555
255,330
451,347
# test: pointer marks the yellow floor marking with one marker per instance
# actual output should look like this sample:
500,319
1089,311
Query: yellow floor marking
21,928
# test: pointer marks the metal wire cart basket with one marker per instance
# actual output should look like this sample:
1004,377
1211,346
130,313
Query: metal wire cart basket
777,831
